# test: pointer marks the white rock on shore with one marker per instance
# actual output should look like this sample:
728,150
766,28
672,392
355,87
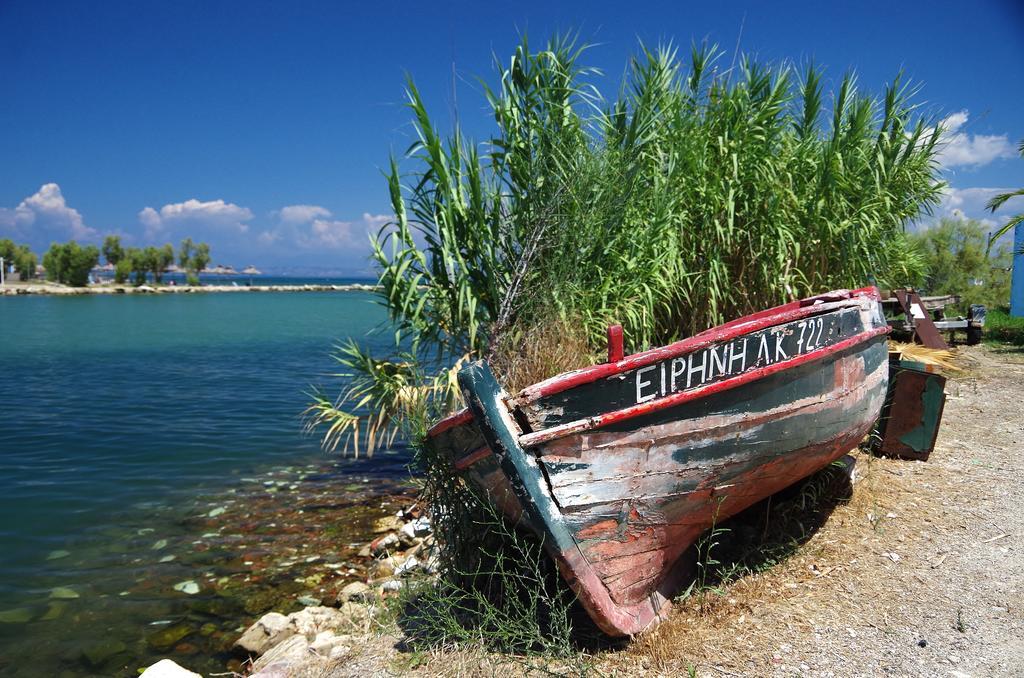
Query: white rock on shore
165,668
281,639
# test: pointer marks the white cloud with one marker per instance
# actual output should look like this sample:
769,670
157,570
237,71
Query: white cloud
210,214
301,214
328,233
44,216
313,227
375,221
958,148
969,203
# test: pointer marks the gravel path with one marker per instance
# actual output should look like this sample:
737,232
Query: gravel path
953,602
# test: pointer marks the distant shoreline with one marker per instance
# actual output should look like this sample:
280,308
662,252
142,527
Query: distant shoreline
15,289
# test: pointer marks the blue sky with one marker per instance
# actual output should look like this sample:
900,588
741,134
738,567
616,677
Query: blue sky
262,127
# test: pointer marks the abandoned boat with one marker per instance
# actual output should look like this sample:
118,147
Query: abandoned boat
619,467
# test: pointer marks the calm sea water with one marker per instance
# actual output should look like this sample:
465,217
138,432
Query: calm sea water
116,410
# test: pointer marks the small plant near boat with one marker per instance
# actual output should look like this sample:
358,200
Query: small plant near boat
502,594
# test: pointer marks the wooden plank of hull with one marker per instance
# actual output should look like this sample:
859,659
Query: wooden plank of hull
618,506
687,447
633,543
462,444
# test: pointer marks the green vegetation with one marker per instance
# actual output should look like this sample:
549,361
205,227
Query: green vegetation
66,263
20,256
193,258
112,250
140,263
958,260
158,259
70,263
1001,327
997,202
699,194
504,595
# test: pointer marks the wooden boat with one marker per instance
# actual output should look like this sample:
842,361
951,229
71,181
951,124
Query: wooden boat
619,467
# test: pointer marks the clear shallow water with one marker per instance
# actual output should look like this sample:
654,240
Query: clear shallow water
117,413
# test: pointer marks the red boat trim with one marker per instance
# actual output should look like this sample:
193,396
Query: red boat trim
463,416
580,425
473,457
615,351
730,330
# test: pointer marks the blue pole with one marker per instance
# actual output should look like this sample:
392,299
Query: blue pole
1017,288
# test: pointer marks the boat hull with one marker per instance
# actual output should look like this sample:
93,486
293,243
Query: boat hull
619,499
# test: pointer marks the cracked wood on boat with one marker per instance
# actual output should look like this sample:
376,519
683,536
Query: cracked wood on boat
619,467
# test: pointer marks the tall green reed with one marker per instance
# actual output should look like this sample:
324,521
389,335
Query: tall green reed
697,194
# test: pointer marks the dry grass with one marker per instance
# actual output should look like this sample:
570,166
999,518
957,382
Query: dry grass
946,359
525,357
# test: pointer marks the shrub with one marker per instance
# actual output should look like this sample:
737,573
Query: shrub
70,263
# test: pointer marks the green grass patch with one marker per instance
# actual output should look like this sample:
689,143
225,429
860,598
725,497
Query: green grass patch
1002,328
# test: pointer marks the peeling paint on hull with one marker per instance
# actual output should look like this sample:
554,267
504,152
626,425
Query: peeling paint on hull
619,503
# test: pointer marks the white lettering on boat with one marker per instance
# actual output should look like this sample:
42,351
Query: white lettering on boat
728,359
641,385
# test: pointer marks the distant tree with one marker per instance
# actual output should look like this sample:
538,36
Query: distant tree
185,253
193,258
25,262
123,268
70,263
997,202
135,263
159,259
19,256
958,261
112,250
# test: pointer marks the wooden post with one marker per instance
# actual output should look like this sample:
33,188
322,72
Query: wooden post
924,329
615,352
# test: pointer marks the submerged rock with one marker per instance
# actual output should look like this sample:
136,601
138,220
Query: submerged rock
167,638
387,524
165,668
189,587
54,611
97,654
17,615
63,593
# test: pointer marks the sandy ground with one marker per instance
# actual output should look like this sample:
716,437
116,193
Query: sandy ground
921,573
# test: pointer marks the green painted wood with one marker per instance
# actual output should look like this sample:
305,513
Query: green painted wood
486,399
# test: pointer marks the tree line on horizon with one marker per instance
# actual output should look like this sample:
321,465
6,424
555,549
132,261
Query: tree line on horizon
70,263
